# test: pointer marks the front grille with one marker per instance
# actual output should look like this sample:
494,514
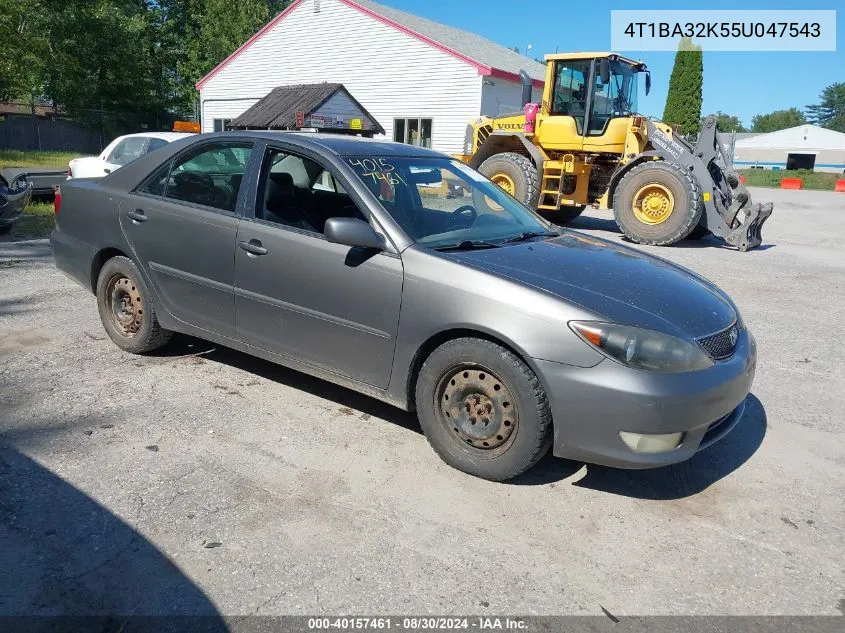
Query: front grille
722,344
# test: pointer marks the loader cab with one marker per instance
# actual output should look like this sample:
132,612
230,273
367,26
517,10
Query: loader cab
588,101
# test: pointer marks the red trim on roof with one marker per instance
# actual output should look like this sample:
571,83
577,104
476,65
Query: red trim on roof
504,74
248,43
482,69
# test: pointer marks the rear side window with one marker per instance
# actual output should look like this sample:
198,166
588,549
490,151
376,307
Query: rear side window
156,143
210,176
127,150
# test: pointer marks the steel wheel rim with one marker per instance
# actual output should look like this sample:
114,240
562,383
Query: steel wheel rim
126,306
653,204
478,409
504,182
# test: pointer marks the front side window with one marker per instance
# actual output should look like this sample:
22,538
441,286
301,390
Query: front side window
570,90
298,192
127,150
616,99
210,176
443,203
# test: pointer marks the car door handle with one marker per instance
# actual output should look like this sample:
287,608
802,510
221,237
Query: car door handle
107,170
253,247
137,216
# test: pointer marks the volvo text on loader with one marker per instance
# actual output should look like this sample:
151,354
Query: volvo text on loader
585,144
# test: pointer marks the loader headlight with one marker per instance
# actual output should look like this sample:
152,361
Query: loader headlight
642,349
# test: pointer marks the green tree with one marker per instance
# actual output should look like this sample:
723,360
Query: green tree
777,120
214,29
727,122
830,111
683,103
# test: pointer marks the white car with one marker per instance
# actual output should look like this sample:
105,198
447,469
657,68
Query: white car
121,151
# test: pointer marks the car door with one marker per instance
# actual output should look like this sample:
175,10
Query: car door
298,295
181,224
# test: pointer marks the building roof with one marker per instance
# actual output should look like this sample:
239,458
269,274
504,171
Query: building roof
801,136
474,46
278,109
490,58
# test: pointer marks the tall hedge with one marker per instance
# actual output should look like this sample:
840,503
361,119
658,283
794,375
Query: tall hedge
683,103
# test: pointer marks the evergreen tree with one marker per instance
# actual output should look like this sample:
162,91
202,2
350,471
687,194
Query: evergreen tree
683,103
830,113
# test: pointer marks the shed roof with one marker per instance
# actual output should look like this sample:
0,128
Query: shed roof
278,109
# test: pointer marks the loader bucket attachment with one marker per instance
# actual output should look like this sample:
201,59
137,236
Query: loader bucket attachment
747,235
728,210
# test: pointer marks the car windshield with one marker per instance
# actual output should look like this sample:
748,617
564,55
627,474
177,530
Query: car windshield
443,203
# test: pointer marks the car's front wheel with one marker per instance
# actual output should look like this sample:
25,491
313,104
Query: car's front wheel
126,308
482,409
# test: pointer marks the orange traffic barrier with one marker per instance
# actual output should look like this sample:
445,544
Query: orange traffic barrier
791,183
742,180
839,186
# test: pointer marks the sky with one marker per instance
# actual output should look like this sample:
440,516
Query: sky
738,83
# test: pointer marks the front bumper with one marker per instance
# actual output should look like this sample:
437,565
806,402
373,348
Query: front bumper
590,406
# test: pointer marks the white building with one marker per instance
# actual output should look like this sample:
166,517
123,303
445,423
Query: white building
801,147
423,81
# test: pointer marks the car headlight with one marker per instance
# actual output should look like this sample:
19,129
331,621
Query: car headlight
642,349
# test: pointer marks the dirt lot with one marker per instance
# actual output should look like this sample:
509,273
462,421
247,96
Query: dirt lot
204,481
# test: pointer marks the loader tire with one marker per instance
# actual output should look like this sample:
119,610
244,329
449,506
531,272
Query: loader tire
674,194
564,215
516,175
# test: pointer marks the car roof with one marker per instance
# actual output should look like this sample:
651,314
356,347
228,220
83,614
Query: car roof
166,136
340,144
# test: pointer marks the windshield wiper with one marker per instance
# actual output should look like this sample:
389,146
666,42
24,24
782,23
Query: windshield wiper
467,245
527,235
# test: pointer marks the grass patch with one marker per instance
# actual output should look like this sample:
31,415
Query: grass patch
23,158
36,221
770,178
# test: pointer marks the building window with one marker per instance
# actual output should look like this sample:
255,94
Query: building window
221,125
412,131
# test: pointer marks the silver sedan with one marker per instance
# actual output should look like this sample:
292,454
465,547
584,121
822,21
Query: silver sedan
404,274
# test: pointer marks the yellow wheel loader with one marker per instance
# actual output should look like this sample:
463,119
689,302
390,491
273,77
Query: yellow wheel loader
585,144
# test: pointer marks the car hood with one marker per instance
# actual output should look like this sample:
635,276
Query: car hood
619,283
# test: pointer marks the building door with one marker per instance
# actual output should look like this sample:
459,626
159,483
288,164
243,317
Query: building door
801,161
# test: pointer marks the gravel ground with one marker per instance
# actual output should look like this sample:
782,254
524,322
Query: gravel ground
202,480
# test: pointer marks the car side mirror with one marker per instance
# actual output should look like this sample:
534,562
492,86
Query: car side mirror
353,232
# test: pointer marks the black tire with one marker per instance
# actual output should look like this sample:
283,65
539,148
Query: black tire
517,408
126,309
683,217
521,171
5,229
564,215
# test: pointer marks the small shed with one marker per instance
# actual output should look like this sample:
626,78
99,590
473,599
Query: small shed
326,107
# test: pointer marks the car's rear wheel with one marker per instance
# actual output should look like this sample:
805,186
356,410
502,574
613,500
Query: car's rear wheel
482,409
126,308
